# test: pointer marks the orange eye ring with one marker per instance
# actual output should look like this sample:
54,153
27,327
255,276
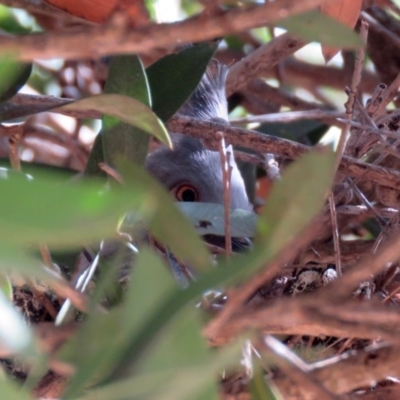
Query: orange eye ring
186,193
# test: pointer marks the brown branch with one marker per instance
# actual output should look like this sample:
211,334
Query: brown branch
240,137
117,38
263,58
305,317
285,148
379,28
294,72
350,371
352,93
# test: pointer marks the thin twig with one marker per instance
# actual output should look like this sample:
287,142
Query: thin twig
265,57
335,232
388,95
297,369
353,92
226,179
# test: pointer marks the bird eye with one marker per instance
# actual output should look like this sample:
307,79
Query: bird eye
186,193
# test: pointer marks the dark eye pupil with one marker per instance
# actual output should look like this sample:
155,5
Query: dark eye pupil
188,195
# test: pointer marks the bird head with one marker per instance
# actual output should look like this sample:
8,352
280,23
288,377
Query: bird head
190,171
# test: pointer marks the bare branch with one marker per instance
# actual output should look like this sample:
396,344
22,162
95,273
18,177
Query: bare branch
117,37
264,58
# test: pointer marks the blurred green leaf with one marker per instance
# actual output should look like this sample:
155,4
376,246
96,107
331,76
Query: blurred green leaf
96,157
179,345
259,388
182,383
13,75
318,27
179,348
10,391
297,198
6,287
59,214
121,323
173,78
9,22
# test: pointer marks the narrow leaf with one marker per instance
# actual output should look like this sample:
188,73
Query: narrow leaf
318,27
173,78
296,199
121,140
344,11
122,323
10,391
259,388
13,75
62,214
126,109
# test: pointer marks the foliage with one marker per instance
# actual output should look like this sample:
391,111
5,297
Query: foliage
86,199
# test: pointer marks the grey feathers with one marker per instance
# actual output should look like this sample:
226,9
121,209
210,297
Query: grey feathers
190,163
208,102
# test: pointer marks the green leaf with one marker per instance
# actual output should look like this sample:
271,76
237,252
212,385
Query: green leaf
121,323
318,27
96,157
121,140
184,383
126,76
63,215
173,78
178,345
13,75
259,388
6,286
297,198
10,391
126,109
